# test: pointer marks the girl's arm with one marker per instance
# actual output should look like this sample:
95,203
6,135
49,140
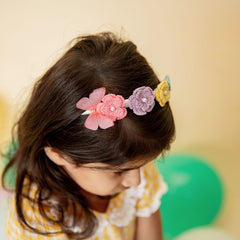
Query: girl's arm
149,228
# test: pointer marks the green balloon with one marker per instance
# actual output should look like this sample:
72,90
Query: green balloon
166,237
10,177
195,193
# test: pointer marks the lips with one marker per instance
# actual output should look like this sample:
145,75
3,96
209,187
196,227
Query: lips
109,196
113,195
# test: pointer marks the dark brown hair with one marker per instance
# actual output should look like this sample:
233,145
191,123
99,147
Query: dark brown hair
52,119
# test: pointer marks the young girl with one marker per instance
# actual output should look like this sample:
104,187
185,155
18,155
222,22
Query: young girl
95,122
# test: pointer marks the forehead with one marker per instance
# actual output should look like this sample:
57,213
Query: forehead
136,163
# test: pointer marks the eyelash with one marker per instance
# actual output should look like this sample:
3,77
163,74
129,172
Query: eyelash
119,173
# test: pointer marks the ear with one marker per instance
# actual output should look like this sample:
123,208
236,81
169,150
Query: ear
54,156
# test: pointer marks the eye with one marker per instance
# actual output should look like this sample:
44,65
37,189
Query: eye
118,173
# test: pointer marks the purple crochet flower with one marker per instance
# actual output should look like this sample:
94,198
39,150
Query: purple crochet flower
142,100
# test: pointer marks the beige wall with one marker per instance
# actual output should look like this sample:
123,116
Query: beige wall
195,42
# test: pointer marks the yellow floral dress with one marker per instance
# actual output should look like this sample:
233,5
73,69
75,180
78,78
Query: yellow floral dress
117,223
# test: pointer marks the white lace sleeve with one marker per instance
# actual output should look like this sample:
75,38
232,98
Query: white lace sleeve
153,190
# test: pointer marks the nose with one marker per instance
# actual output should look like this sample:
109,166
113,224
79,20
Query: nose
132,178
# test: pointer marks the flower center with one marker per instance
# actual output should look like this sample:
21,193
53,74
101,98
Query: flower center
144,99
112,108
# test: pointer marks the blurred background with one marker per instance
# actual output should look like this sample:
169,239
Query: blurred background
195,42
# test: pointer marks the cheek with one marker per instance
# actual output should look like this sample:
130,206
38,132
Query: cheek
98,183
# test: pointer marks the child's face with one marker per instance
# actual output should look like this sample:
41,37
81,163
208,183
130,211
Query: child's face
103,180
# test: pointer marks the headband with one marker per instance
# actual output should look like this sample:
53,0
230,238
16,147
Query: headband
104,110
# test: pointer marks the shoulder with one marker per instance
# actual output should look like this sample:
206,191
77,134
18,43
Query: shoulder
14,229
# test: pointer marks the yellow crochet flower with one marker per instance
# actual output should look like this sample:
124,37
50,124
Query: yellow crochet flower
162,93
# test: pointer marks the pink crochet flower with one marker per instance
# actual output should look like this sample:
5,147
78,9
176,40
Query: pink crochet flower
112,106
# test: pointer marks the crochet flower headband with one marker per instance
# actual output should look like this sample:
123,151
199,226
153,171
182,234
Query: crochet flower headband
104,110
